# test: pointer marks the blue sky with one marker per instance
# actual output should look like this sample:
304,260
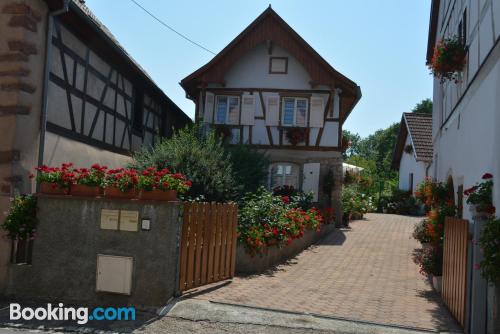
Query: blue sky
378,44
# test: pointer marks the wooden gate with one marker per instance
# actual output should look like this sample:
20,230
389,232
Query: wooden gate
454,293
208,244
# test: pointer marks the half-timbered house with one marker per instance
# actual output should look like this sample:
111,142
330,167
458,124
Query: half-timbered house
69,92
272,90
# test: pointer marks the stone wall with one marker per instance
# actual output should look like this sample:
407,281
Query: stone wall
69,238
22,58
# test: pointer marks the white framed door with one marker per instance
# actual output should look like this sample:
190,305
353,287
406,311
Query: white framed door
310,181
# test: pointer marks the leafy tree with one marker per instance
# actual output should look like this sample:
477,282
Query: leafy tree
424,106
201,157
250,168
353,139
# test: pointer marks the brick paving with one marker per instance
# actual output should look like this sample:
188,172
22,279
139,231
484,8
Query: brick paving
363,273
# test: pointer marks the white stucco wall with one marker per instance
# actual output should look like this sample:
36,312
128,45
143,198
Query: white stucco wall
252,70
407,165
466,115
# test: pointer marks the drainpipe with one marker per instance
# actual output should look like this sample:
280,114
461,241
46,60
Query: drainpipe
48,57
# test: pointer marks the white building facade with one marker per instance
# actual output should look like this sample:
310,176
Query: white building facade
269,82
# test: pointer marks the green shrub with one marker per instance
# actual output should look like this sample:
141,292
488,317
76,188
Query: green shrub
250,168
202,158
420,232
21,221
266,220
355,202
490,245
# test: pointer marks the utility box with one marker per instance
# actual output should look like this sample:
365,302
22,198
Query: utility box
114,274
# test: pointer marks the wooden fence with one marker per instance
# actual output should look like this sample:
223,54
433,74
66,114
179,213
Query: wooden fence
454,293
208,244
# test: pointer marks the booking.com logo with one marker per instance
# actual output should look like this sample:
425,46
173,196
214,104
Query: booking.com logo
81,315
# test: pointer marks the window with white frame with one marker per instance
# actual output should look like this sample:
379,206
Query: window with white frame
282,174
294,111
227,109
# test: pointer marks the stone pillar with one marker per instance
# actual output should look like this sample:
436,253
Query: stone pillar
22,60
479,286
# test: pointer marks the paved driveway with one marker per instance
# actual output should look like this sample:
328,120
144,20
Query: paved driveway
364,273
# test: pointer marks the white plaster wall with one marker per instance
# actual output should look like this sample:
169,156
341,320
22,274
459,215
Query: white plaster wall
407,165
252,70
468,145
59,149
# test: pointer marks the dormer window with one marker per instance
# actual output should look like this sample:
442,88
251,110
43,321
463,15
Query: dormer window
278,65
294,111
227,109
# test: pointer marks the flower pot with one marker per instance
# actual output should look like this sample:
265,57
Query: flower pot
113,192
158,195
85,191
437,283
52,189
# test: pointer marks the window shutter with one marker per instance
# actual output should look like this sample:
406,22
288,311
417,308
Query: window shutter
317,112
208,111
273,110
248,110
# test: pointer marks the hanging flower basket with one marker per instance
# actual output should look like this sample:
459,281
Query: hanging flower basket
448,60
409,149
296,135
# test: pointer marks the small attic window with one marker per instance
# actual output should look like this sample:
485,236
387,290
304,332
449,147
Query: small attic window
278,65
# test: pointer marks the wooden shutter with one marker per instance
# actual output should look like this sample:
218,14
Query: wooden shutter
273,110
317,112
208,111
310,181
248,110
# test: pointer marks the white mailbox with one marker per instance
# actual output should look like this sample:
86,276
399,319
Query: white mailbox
114,274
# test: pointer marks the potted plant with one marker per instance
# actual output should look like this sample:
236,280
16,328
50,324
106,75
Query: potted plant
89,181
161,185
55,180
420,233
296,135
479,197
448,59
120,183
430,261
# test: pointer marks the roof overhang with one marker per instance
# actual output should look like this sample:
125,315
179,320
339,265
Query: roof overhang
269,26
433,21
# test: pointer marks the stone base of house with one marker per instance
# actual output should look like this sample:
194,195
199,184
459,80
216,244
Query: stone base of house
328,160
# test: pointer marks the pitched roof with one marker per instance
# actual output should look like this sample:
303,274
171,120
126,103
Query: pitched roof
270,27
419,127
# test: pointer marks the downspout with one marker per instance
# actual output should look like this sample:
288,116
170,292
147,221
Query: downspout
45,88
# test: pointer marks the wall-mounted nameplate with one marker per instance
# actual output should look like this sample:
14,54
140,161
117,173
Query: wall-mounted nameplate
109,219
129,221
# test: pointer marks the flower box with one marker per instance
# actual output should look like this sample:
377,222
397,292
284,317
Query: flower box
158,195
113,192
52,189
85,191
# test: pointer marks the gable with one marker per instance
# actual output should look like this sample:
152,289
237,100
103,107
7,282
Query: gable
269,27
253,70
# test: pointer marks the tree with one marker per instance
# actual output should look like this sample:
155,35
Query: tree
201,157
424,106
353,139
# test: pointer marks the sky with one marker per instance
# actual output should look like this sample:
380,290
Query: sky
380,45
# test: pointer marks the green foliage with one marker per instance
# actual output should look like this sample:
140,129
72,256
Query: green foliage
400,202
250,168
430,261
354,140
420,232
266,220
354,201
21,221
490,245
424,106
202,158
